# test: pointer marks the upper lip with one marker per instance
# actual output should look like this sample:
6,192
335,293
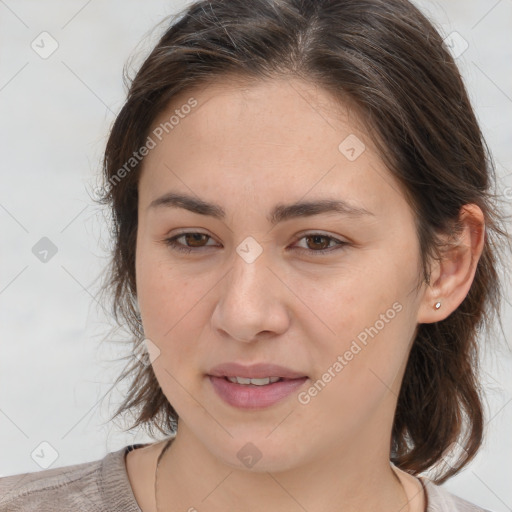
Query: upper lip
254,371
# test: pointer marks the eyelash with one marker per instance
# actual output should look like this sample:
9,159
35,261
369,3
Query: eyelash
171,242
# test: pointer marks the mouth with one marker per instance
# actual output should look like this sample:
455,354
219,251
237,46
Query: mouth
255,373
265,381
256,386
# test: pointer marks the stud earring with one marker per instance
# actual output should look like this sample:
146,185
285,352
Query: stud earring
437,305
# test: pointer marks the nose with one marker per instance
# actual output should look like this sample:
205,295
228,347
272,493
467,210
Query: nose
253,302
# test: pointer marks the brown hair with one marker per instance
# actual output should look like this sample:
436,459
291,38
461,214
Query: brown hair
385,57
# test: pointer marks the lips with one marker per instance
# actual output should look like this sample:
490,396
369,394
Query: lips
255,371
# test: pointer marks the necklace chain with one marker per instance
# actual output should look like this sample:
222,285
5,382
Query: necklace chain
164,449
168,443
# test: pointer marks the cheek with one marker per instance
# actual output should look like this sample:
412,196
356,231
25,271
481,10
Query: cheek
361,338
173,316
175,310
359,379
165,295
169,307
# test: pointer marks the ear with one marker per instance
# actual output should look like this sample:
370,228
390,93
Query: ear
452,276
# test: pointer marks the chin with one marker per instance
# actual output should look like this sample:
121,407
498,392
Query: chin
257,453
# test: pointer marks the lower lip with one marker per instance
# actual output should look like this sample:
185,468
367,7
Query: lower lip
250,396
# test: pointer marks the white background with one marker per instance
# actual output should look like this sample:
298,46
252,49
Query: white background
55,374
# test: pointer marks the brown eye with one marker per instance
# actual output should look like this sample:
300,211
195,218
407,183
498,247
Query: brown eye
318,241
318,244
192,240
195,239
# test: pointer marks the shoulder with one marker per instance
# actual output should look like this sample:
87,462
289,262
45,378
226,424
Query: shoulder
100,485
441,500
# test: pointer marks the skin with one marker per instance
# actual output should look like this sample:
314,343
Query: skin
249,148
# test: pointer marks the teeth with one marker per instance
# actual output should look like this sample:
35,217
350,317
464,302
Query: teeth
256,382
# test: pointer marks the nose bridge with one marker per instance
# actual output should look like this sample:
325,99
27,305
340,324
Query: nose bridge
250,300
248,281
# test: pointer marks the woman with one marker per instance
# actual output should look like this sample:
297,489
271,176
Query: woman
306,241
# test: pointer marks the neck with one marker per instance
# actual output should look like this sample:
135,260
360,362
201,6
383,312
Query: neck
360,479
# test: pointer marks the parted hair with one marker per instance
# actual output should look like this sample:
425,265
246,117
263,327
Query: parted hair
386,58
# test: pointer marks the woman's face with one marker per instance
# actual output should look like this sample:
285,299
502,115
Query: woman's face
255,288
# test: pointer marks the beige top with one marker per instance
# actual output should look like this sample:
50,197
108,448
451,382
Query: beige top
103,485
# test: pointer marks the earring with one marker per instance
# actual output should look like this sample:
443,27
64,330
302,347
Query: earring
437,305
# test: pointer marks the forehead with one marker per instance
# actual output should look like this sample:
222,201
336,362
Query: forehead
262,108
274,136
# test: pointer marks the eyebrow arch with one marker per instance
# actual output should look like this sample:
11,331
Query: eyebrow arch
280,213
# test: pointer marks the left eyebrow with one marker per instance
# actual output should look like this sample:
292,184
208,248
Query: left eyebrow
280,213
